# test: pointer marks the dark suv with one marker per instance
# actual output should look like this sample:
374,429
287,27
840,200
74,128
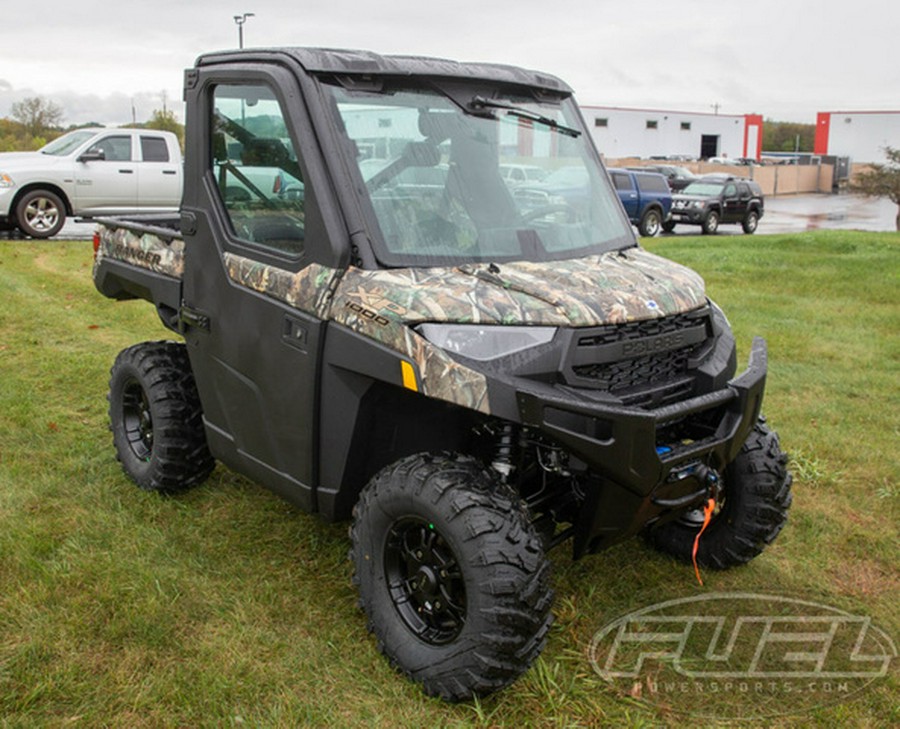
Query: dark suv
716,199
678,177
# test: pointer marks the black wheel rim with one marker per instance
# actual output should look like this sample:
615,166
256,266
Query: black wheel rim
425,581
137,420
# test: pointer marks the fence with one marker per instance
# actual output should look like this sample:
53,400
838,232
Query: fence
773,179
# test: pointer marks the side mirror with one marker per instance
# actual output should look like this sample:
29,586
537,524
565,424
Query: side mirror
93,155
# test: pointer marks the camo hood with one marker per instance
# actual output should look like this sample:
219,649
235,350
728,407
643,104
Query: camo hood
611,288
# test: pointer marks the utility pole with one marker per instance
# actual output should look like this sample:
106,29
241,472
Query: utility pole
240,20
715,108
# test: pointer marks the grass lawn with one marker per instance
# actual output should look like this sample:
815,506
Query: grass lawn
228,607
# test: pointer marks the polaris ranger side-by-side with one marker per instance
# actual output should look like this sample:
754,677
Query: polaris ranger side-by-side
376,327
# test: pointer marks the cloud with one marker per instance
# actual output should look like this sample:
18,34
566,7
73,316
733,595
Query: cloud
106,109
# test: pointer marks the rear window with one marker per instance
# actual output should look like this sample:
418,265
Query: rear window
154,149
652,183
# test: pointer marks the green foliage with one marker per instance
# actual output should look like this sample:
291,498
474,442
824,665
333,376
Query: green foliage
881,180
782,136
15,137
228,607
165,120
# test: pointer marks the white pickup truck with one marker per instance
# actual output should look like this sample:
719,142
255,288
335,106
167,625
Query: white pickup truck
90,172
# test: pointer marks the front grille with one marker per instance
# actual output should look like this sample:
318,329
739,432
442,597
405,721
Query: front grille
531,198
644,363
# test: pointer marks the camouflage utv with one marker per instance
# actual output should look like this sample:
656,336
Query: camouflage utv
379,325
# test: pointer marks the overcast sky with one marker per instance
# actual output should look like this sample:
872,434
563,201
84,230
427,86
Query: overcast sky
784,59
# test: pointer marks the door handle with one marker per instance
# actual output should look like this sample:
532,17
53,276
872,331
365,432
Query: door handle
126,172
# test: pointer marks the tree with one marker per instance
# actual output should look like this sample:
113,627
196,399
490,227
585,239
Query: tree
37,115
783,136
165,121
881,180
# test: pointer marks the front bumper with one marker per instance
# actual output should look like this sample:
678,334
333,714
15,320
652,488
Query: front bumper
643,474
7,195
687,215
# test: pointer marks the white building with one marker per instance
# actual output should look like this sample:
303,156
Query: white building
620,133
859,135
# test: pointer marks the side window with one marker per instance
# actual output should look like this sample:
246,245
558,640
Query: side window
115,148
622,182
154,149
256,168
652,183
744,191
730,190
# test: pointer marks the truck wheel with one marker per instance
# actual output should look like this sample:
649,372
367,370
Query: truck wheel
156,418
750,222
753,508
451,574
650,223
40,214
668,226
710,222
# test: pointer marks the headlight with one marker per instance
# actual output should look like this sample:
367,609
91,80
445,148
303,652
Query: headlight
6,180
485,342
697,204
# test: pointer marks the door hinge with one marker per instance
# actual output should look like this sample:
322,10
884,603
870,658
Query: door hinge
192,318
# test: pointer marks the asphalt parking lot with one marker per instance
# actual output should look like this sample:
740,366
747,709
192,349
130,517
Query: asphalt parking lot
784,214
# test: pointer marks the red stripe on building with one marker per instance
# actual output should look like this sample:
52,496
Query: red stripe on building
753,121
823,127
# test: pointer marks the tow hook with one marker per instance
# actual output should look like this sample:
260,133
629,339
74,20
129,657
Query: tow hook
710,477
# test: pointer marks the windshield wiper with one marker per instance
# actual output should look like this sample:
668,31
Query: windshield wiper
479,102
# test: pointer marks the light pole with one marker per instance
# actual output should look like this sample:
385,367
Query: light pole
240,20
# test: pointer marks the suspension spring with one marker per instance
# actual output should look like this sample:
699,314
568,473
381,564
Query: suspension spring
503,456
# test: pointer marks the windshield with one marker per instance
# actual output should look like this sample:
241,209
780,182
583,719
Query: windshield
67,143
703,188
509,179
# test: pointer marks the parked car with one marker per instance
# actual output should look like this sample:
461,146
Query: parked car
646,198
566,186
90,172
718,199
514,175
677,177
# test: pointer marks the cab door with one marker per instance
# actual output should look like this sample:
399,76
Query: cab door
732,211
628,194
255,357
159,176
106,176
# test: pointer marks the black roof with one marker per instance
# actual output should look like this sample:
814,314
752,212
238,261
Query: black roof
352,62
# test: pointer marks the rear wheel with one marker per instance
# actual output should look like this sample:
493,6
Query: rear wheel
650,223
752,510
451,575
711,222
750,222
40,214
156,418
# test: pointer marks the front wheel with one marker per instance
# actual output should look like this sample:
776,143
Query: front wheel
451,574
650,223
156,418
40,214
752,510
710,223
